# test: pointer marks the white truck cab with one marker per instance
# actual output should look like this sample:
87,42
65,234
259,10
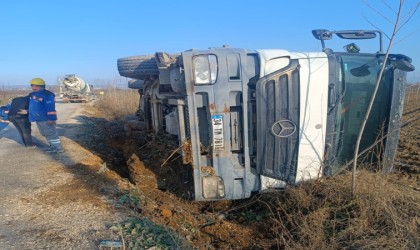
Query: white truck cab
263,119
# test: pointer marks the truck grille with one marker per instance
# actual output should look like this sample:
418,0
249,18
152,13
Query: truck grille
278,125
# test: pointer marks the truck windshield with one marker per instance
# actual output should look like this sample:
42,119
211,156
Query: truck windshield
357,77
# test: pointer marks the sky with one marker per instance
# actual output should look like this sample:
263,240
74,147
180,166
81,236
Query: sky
49,39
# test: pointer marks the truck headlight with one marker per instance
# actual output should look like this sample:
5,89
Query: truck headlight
213,187
205,69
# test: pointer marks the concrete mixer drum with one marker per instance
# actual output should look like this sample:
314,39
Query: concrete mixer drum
75,89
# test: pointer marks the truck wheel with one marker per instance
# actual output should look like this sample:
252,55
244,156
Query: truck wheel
137,67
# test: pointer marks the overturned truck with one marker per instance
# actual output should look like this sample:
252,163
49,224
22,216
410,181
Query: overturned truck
255,120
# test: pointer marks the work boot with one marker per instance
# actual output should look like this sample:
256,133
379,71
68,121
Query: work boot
54,151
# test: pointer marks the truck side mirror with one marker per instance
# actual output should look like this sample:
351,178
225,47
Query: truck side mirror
322,34
402,62
403,65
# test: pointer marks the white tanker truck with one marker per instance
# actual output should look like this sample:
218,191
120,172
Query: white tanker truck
74,89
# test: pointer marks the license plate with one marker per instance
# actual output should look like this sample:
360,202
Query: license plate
218,140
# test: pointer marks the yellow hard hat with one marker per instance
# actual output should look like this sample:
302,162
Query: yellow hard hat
37,81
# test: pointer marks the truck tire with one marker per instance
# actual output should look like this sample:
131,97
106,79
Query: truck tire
137,67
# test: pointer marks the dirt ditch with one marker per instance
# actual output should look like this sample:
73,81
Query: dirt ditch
318,214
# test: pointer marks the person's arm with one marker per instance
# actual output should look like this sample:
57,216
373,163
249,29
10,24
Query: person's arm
4,110
6,107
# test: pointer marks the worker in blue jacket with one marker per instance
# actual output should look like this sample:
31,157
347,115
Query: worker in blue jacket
42,112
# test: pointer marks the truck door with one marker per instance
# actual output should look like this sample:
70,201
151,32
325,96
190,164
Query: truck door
277,96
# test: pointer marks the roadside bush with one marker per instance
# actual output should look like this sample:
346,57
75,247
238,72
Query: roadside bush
325,215
118,103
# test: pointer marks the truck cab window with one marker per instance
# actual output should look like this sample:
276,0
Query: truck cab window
360,74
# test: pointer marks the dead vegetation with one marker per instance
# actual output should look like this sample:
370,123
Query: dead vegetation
118,103
315,215
324,214
408,156
320,214
6,95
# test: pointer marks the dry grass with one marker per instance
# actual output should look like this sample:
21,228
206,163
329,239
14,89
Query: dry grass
320,214
408,154
118,103
7,95
324,214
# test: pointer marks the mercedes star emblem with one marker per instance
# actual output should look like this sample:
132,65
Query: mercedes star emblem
283,128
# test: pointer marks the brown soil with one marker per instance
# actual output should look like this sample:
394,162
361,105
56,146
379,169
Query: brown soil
163,185
408,156
63,201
